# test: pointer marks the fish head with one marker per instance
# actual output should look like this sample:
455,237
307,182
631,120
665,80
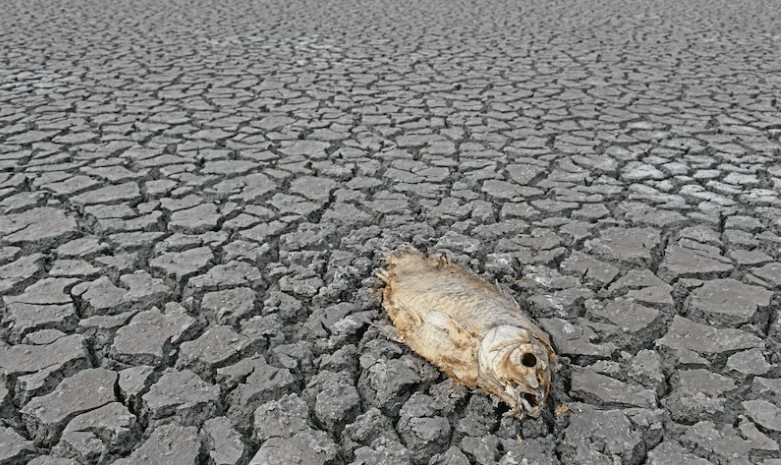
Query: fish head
517,364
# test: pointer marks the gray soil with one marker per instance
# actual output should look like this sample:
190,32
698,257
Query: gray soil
194,196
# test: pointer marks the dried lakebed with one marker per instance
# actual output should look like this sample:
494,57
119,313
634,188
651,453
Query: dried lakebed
193,197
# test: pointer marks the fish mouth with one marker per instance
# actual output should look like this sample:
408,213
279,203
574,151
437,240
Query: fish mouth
530,401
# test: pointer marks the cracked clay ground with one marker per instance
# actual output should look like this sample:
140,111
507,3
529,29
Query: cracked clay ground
194,195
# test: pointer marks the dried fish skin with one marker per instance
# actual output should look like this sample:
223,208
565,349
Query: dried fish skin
469,328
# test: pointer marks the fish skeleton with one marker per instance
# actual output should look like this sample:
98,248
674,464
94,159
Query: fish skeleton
469,328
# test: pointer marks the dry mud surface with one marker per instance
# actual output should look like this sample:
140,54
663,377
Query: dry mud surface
193,196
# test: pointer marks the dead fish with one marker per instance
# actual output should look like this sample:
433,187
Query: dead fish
469,328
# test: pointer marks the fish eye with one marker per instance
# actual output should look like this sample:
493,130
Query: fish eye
529,360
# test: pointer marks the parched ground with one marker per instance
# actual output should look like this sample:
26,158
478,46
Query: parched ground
194,195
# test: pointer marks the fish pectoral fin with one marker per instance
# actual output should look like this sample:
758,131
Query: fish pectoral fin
454,331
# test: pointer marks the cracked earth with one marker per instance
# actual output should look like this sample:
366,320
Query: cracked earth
194,194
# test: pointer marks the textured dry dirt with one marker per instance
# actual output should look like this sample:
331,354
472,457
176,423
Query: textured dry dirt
193,196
